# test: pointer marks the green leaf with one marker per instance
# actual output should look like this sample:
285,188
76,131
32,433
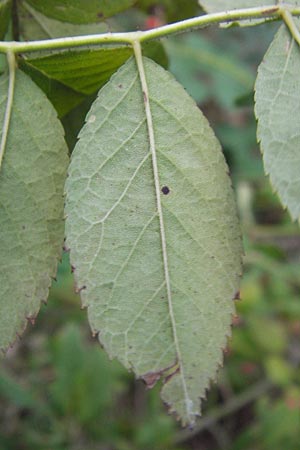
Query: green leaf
194,57
86,71
277,109
63,98
82,70
31,205
157,261
80,11
36,26
5,8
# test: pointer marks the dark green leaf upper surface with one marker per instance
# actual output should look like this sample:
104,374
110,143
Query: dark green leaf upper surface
5,6
277,108
86,71
160,320
62,97
80,11
31,205
35,26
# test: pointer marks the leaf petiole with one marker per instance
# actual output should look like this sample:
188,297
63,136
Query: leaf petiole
290,23
11,60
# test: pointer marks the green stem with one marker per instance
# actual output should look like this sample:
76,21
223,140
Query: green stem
290,23
10,98
262,12
152,145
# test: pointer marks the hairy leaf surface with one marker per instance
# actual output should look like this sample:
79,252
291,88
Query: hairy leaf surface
31,205
80,11
277,108
161,319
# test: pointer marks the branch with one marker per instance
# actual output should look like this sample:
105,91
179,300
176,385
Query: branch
228,408
265,12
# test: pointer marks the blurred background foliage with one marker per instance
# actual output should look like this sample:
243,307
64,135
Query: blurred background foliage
58,390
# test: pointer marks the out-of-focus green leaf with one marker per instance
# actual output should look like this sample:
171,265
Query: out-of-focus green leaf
278,424
80,11
277,108
206,71
36,26
31,204
173,10
15,393
278,370
86,71
85,381
270,335
154,315
5,7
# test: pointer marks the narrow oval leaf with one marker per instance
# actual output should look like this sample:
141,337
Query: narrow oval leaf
31,205
277,108
80,11
168,320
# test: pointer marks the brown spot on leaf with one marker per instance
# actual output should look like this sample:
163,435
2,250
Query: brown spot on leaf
151,378
272,10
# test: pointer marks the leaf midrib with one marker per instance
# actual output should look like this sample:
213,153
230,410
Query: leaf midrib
152,143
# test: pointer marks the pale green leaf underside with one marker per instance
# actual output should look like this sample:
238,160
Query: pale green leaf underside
114,234
277,108
31,205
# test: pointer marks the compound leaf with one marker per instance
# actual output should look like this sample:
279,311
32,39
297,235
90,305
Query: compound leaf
277,108
168,320
31,205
